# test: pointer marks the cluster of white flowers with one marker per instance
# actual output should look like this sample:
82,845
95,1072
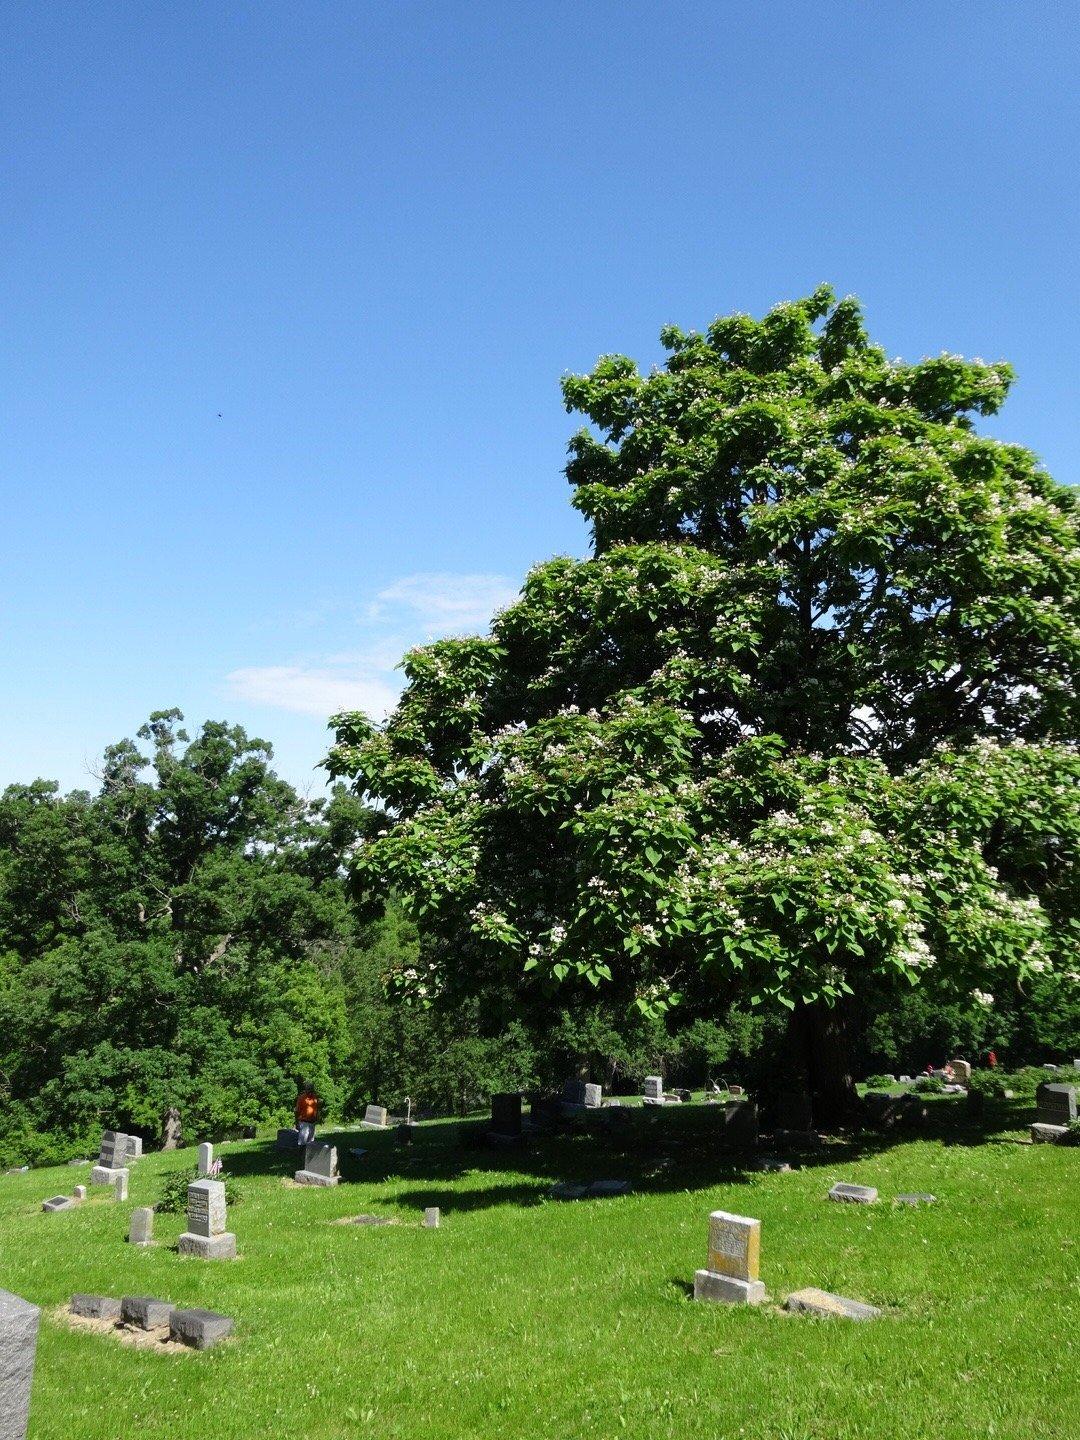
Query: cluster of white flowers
983,997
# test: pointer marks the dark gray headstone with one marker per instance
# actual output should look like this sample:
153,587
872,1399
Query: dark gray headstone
506,1113
1056,1104
18,1348
144,1312
95,1307
198,1328
287,1140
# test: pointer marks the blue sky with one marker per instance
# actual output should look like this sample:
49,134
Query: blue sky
288,290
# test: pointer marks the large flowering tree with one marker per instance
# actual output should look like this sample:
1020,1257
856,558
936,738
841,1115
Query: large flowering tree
801,721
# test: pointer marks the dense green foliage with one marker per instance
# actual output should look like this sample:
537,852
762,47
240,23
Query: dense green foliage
799,730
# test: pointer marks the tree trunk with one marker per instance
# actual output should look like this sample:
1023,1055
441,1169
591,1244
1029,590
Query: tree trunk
820,1053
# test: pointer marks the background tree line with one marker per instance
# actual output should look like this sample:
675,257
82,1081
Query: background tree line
185,936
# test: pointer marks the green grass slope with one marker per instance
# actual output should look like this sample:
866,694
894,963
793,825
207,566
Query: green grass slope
528,1317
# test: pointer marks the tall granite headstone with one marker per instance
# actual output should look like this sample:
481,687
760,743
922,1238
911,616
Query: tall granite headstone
18,1348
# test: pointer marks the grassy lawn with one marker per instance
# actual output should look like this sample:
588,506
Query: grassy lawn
527,1317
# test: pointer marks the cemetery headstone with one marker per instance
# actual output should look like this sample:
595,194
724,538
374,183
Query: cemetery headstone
206,1235
58,1202
573,1091
376,1117
1055,1112
731,1275
853,1194
735,1090
653,1092
432,1217
120,1185
142,1226
79,1193
144,1312
201,1329
117,1152
506,1114
18,1348
287,1140
962,1071
206,1158
819,1302
320,1166
740,1122
95,1307
594,1096
916,1199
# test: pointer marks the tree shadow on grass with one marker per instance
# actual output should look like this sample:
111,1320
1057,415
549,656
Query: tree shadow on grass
658,1151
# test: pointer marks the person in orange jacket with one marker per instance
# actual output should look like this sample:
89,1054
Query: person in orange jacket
306,1111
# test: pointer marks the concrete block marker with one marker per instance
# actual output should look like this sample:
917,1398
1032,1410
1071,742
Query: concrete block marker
142,1226
320,1166
432,1217
18,1349
819,1302
915,1199
731,1276
95,1307
79,1193
853,1194
144,1312
120,1185
201,1329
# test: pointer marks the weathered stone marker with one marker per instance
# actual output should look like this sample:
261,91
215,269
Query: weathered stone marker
144,1312
120,1185
117,1152
431,1217
594,1096
201,1329
18,1348
853,1194
1056,1111
734,1260
375,1118
58,1202
916,1199
819,1302
206,1235
320,1166
962,1071
142,1226
171,1129
506,1114
653,1093
79,1193
206,1158
95,1307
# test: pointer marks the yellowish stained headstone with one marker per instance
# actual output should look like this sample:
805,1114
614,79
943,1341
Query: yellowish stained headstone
734,1245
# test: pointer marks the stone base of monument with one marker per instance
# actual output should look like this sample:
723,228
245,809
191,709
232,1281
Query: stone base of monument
201,1329
311,1177
95,1307
819,1302
1043,1134
208,1247
711,1285
103,1175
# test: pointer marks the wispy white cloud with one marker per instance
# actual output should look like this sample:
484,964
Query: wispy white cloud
444,602
413,609
312,690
